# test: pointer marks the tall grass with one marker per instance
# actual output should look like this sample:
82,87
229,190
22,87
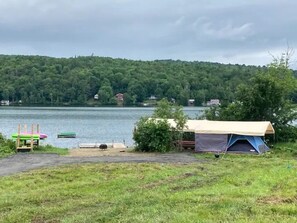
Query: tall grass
50,149
7,147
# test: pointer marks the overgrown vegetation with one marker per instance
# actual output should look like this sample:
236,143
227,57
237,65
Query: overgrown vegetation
7,147
155,134
284,150
50,149
236,188
266,97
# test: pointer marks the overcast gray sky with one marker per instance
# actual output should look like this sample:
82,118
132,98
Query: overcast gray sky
226,31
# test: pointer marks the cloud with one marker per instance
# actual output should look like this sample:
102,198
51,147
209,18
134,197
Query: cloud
228,31
234,31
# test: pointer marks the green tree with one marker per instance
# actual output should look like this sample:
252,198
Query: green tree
137,89
105,94
266,98
129,100
168,110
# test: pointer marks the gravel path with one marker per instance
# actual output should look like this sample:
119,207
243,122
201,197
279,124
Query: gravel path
24,161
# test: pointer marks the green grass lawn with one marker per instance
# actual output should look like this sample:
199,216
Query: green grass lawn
235,188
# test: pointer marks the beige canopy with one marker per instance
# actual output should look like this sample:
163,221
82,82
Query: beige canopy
259,128
256,128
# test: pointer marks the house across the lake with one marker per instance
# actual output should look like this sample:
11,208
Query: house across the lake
120,99
213,102
5,102
191,102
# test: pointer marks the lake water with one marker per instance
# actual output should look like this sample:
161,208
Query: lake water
91,125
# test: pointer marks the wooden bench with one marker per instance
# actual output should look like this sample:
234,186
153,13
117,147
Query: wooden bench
186,144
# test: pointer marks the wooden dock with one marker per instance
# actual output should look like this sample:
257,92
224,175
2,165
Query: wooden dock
115,149
97,145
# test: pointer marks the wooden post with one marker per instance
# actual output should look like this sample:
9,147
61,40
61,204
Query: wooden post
38,132
18,138
31,143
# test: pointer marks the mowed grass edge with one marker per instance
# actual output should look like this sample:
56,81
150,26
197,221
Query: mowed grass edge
232,189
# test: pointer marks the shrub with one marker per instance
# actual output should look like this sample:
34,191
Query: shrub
153,135
7,146
285,149
188,136
286,133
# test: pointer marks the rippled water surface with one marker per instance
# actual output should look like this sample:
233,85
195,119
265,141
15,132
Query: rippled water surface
91,125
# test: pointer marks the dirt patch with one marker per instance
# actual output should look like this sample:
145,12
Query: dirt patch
97,152
277,200
117,149
21,162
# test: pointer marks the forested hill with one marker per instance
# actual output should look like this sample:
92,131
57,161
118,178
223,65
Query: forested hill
74,81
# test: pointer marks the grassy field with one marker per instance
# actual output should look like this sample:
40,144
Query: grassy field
234,188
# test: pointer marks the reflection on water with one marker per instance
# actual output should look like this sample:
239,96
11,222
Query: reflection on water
92,125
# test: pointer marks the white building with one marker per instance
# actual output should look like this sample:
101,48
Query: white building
213,102
5,102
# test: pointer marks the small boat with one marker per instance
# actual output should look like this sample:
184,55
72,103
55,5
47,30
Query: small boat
67,135
27,136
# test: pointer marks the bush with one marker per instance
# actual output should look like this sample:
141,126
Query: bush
286,133
7,146
188,136
285,149
153,135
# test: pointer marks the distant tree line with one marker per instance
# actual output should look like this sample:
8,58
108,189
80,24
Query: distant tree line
38,80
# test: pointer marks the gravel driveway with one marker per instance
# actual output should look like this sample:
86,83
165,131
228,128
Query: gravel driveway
25,161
